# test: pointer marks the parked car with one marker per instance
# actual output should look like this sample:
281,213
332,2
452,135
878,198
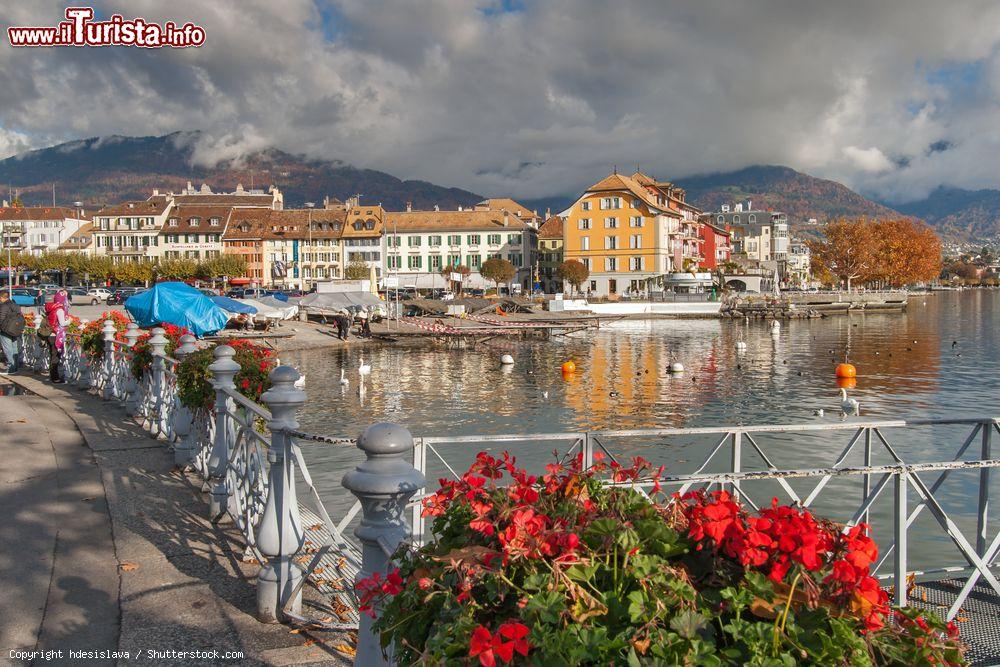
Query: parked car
48,287
100,293
82,295
25,296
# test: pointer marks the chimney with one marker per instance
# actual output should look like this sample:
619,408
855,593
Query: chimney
131,205
436,207
506,219
548,213
749,205
409,207
156,193
459,207
535,213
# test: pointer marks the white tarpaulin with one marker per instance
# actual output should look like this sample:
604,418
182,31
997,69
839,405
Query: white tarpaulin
332,301
289,310
263,310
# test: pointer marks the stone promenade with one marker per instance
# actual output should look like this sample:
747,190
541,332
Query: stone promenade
104,547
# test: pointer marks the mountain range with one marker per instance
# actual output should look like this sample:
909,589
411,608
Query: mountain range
103,170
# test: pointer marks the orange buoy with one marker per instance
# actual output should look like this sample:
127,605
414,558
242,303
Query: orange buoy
846,371
568,367
847,383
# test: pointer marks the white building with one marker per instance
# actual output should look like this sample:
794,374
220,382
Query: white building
129,231
419,244
38,229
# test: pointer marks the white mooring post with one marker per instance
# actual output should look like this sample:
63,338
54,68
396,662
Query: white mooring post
384,484
131,389
107,390
158,348
279,533
223,371
184,430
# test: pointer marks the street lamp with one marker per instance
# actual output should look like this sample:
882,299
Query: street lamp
309,205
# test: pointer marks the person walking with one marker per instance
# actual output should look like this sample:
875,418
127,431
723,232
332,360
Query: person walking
11,327
57,315
343,324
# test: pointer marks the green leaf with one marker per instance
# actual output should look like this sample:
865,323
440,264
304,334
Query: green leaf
688,623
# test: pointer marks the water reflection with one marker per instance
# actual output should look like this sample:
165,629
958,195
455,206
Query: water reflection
906,363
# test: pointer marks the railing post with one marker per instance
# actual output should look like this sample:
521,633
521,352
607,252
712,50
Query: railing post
132,383
183,417
587,449
158,348
867,483
109,331
83,376
223,371
982,541
279,533
900,515
383,483
736,458
417,511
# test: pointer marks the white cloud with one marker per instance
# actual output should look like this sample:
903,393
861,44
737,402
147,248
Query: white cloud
544,100
868,159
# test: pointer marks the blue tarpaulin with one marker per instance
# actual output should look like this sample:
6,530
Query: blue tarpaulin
178,304
232,305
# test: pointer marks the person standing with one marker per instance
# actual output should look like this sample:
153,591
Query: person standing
343,324
57,315
366,329
11,328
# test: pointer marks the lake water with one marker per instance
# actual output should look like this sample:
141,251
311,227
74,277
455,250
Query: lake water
941,358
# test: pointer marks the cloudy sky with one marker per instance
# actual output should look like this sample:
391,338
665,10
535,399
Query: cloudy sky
539,98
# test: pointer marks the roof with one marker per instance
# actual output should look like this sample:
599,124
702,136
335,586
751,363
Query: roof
81,238
40,213
445,221
620,182
259,200
508,204
155,205
551,229
716,228
186,214
364,215
265,223
246,224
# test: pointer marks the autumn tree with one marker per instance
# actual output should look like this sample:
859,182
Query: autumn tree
176,269
357,270
573,272
905,251
847,251
498,271
230,266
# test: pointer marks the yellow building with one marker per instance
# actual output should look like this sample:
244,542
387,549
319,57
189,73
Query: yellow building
630,231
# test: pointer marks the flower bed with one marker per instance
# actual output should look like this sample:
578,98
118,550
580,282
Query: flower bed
566,570
92,334
142,353
194,378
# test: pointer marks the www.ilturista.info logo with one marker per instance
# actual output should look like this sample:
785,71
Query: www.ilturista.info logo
79,29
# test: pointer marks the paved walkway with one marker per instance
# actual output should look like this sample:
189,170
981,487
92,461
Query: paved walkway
104,546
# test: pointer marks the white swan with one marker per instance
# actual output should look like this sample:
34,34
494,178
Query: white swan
363,368
298,384
343,378
849,406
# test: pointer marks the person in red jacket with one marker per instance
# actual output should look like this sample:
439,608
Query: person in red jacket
57,314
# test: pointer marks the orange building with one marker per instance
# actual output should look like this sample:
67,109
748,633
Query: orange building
630,231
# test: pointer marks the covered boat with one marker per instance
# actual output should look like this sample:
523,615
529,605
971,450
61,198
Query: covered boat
178,304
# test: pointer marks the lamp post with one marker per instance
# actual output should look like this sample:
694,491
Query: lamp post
309,205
